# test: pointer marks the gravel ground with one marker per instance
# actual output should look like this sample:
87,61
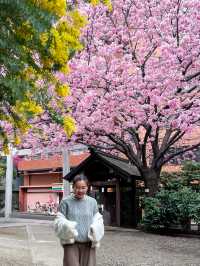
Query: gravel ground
140,249
34,244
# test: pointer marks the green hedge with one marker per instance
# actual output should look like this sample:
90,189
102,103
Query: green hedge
174,205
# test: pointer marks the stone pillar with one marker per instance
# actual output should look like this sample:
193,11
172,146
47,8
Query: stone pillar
8,187
66,170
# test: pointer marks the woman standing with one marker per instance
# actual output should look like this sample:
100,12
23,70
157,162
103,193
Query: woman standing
79,225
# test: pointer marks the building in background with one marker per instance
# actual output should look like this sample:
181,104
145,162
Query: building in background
42,187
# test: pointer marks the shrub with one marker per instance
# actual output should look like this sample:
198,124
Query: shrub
173,205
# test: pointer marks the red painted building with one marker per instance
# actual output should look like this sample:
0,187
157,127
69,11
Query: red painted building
42,187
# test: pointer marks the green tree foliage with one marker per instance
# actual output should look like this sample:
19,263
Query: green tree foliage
2,168
176,204
188,176
191,174
37,38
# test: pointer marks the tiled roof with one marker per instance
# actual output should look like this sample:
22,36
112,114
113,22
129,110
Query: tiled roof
117,164
124,166
54,162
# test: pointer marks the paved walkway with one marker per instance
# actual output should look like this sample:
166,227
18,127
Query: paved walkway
33,243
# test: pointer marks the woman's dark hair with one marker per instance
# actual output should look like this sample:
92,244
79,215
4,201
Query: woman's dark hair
80,178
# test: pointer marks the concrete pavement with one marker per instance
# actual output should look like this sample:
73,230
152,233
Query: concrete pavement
28,242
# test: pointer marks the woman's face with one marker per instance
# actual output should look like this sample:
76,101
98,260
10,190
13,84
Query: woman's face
80,189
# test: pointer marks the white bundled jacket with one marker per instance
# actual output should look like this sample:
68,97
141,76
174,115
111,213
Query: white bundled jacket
66,230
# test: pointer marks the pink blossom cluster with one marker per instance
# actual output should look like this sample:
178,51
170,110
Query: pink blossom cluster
135,82
140,69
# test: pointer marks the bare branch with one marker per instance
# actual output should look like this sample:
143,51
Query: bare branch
168,133
144,145
159,159
190,77
186,68
179,153
127,149
154,144
177,24
136,140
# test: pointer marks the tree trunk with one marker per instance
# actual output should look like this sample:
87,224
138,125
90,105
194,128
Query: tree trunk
151,179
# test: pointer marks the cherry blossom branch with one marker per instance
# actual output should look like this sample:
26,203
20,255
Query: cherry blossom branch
179,153
192,76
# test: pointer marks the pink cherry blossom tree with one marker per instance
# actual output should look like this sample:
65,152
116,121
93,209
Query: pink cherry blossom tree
135,86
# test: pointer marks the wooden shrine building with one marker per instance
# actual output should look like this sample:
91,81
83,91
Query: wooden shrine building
113,182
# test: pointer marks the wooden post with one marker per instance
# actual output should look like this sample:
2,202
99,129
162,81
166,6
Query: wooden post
135,218
118,211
